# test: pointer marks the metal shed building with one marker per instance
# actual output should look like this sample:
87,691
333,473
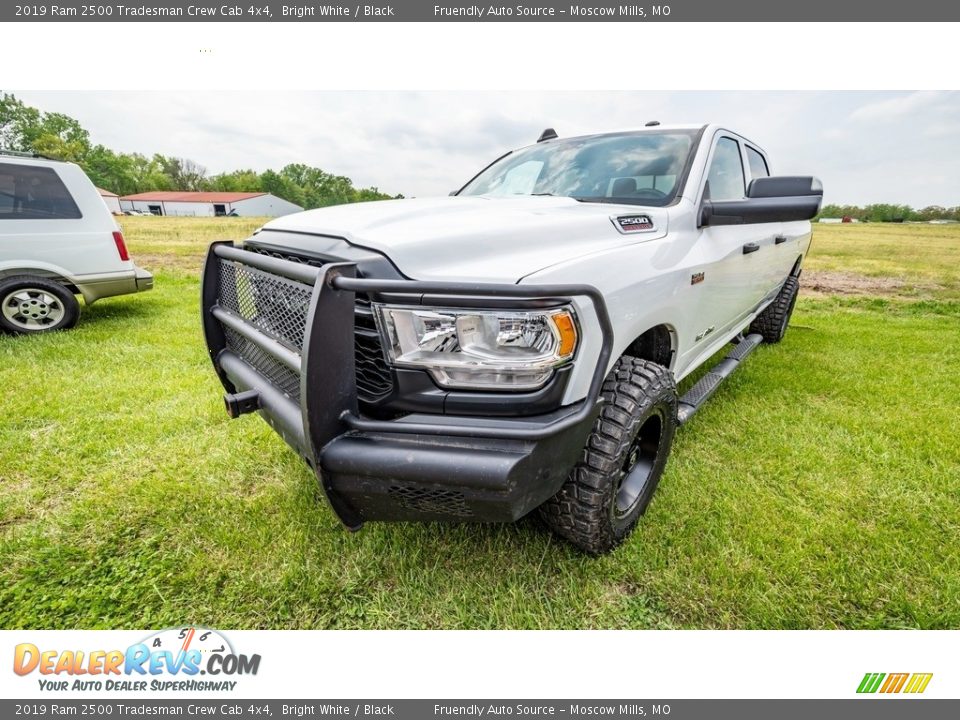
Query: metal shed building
112,200
208,204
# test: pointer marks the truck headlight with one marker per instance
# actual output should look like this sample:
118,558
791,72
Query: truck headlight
466,348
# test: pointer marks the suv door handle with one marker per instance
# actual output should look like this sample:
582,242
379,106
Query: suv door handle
779,239
750,248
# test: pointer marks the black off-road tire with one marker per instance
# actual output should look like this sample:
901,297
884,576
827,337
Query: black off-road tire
30,304
772,322
598,507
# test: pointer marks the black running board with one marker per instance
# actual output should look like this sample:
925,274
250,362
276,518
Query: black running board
704,388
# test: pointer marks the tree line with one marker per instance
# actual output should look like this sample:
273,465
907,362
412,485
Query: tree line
884,212
27,129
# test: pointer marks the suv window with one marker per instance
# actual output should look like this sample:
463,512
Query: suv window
34,193
758,166
726,171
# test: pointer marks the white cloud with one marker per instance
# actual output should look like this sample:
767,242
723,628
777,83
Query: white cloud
898,106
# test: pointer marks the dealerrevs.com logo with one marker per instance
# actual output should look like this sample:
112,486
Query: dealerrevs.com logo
180,659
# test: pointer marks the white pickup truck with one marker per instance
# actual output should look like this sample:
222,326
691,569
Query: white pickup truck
516,346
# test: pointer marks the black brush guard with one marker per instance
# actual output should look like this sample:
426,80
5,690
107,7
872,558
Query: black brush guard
281,338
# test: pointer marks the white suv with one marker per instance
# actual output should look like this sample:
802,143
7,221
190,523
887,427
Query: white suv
57,240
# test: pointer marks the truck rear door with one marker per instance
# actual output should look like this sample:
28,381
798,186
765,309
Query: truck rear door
781,240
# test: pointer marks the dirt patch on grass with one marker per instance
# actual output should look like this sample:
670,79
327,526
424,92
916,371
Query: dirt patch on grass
190,264
824,282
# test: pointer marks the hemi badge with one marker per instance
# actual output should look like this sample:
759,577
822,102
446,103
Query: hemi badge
696,278
632,223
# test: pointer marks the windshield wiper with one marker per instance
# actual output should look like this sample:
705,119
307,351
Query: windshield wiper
615,201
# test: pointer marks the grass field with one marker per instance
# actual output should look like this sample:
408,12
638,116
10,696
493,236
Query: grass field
820,488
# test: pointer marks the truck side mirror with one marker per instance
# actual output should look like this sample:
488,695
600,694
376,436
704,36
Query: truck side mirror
770,199
785,186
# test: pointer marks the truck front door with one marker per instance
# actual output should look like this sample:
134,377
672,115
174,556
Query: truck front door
735,257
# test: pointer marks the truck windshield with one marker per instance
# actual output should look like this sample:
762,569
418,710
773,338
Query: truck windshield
644,168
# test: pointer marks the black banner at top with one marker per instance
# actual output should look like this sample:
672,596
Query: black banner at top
858,11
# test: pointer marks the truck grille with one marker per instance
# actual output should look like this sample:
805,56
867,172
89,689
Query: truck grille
273,304
430,501
280,376
279,307
373,377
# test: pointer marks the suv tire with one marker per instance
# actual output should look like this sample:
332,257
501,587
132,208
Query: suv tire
772,322
30,304
612,484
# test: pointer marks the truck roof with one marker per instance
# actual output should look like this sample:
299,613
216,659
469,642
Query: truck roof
659,127
707,128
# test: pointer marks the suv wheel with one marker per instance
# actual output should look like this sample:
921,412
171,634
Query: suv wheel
772,322
33,304
612,484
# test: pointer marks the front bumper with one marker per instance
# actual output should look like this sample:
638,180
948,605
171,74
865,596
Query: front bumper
281,338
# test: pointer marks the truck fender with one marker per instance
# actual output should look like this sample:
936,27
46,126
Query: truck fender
657,344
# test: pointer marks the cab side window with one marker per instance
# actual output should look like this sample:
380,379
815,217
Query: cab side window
726,171
758,166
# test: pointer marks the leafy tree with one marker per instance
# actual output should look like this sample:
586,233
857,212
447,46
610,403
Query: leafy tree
184,173
888,212
56,135
236,181
17,123
282,187
933,212
56,147
109,170
148,173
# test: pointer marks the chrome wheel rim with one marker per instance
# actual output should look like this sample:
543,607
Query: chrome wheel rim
32,309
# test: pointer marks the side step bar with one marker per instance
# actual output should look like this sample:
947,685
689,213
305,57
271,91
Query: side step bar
704,388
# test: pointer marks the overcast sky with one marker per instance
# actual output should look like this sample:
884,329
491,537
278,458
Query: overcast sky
867,147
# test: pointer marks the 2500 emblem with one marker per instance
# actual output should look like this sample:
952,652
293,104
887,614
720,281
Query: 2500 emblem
632,223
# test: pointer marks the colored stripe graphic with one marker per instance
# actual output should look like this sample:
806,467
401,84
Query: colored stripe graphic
870,682
918,682
894,682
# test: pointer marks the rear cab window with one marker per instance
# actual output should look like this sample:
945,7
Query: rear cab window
758,164
34,193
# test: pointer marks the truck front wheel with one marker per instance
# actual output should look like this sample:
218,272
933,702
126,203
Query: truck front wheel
612,484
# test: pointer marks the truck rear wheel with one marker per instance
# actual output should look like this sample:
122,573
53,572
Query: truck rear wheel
773,321
30,304
612,484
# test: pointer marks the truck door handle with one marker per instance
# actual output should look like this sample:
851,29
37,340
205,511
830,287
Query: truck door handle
750,247
779,239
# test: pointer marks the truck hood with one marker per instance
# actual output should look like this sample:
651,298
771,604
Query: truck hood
475,238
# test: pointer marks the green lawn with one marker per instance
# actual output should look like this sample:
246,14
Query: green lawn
820,488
